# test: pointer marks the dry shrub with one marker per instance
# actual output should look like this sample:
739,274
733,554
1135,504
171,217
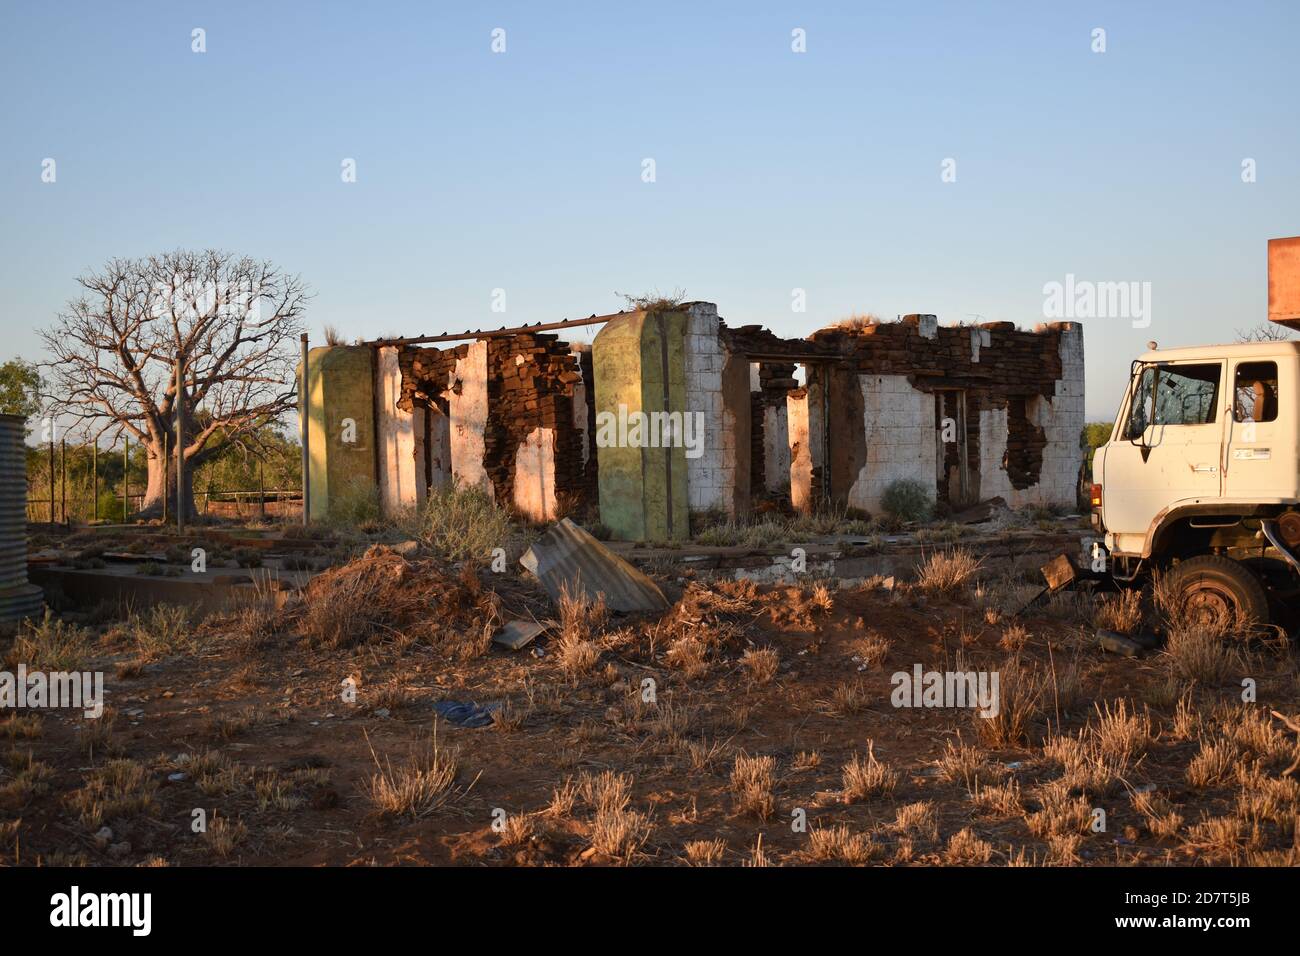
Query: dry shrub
21,726
416,788
705,852
1014,637
689,655
1088,769
1020,695
1060,811
120,788
1003,801
1063,849
752,780
1122,734
224,837
1217,835
965,848
1162,821
961,764
9,831
838,844
1198,653
381,594
761,663
517,830
1120,612
563,799
462,524
867,778
918,819
617,831
581,617
872,648
1254,734
848,698
946,571
576,655
51,645
1214,765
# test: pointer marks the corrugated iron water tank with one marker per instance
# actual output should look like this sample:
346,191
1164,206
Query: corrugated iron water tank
18,598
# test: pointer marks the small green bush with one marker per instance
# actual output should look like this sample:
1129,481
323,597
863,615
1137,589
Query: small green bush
463,524
908,500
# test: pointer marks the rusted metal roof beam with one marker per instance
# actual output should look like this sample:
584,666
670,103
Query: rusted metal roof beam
497,333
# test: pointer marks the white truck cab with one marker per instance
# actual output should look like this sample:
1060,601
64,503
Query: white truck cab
1201,475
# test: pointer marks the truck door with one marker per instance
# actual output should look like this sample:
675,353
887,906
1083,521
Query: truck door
1259,459
1170,449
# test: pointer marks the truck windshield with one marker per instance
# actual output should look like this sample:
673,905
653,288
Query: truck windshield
1174,395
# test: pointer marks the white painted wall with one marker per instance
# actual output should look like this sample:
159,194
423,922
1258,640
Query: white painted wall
900,427
469,413
535,475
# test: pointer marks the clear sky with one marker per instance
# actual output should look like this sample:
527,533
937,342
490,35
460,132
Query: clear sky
774,170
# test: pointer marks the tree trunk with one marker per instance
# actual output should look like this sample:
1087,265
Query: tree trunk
155,490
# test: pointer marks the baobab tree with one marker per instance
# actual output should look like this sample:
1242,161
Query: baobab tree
229,324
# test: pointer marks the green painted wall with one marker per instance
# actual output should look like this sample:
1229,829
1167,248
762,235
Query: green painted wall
642,489
340,386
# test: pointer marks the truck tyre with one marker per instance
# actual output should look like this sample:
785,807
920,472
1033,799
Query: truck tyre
1217,591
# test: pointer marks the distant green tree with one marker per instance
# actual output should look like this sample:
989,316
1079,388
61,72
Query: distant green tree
1094,435
20,388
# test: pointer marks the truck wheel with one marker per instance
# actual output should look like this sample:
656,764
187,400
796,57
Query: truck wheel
1216,591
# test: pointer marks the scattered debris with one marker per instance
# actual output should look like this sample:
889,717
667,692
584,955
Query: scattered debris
569,556
466,713
1059,573
519,634
1118,643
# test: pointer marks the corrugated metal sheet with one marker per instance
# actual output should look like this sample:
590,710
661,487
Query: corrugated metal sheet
568,555
18,598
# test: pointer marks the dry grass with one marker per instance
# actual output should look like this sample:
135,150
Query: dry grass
416,788
1215,764
1014,637
965,848
705,852
119,789
838,844
1120,612
752,781
1020,692
617,831
224,837
871,649
864,778
848,698
51,645
1121,734
961,763
918,819
760,664
1002,801
946,571
689,655
1197,653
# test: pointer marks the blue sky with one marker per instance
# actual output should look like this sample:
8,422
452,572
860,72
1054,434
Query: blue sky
774,170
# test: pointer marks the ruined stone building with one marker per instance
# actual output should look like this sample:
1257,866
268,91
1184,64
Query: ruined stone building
671,413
